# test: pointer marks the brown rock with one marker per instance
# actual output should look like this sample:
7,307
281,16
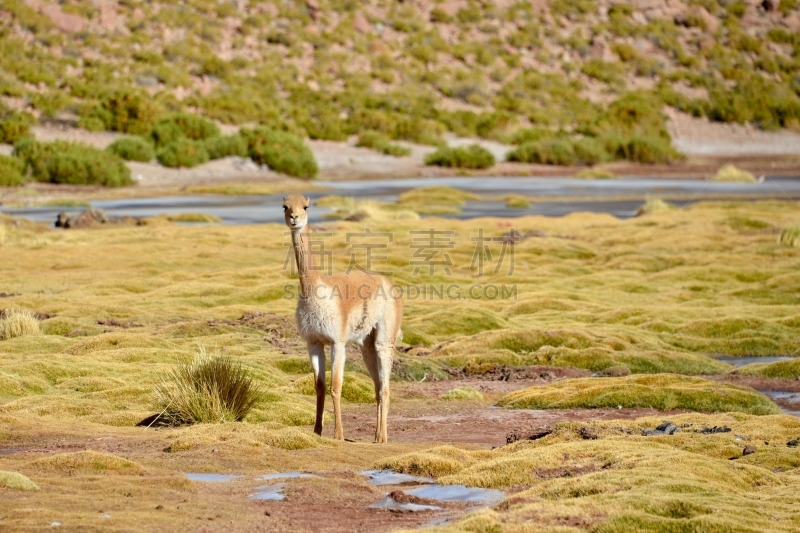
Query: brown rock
65,22
360,23
313,9
749,449
87,219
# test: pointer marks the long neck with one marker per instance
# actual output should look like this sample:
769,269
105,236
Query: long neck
305,261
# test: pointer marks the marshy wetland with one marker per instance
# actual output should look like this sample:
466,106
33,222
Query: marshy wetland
546,391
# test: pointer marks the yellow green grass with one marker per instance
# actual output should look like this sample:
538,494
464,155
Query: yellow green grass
654,295
462,393
664,392
16,481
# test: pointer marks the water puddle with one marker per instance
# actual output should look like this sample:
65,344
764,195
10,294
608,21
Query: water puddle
458,493
788,401
387,503
213,478
286,475
9,451
388,477
742,361
269,492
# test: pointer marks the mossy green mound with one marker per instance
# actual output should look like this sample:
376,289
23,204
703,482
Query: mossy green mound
663,391
778,369
620,480
462,393
87,462
16,481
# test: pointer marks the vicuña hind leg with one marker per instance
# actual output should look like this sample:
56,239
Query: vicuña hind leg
337,379
317,354
378,359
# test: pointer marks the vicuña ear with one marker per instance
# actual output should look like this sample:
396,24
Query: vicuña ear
307,201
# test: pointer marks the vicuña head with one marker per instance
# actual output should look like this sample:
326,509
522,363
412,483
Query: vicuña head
367,315
295,211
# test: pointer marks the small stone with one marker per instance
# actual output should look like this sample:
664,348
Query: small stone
668,428
266,513
587,433
792,443
749,449
106,515
55,524
159,507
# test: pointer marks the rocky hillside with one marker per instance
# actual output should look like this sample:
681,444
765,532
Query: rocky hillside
568,80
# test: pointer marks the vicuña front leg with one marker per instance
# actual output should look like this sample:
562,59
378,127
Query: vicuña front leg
337,380
384,364
317,354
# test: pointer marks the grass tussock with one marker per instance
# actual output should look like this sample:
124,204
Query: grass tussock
194,217
209,389
357,210
790,237
462,393
16,481
731,173
654,205
355,389
516,201
596,173
18,323
663,391
87,462
72,163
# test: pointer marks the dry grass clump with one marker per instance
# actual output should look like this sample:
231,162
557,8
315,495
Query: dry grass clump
654,205
788,237
17,323
87,462
462,393
208,389
732,173
596,173
517,201
437,196
357,210
662,391
194,217
436,462
355,388
16,481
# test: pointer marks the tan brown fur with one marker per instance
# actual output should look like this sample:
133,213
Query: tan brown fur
333,310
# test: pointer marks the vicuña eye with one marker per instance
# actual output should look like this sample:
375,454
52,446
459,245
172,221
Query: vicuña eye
285,208
306,208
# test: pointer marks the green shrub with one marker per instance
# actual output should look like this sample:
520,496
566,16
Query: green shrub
546,152
12,171
381,143
14,126
73,163
126,111
611,73
590,151
183,153
632,114
132,149
183,125
648,149
326,127
207,390
226,146
281,151
473,156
